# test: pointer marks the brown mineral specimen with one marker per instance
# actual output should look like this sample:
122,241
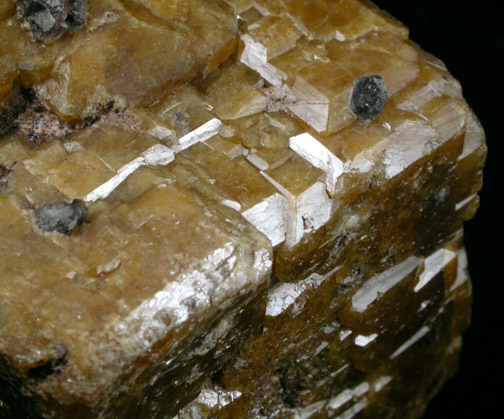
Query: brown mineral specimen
228,208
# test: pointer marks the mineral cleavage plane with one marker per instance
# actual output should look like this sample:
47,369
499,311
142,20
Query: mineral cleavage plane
230,209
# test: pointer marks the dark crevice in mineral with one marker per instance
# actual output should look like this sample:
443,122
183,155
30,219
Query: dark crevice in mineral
4,173
49,19
368,97
14,400
20,98
217,377
55,365
98,113
62,217
291,387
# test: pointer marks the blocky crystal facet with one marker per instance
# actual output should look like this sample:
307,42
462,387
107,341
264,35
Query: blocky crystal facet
273,193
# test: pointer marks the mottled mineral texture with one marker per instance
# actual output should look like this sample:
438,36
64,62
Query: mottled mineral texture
228,209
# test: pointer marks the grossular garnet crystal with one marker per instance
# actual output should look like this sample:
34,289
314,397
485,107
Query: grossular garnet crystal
228,208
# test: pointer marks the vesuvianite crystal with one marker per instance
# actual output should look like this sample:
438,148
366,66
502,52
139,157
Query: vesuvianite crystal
63,217
50,18
228,208
368,97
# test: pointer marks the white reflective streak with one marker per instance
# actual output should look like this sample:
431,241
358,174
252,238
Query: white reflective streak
201,134
255,56
474,138
286,293
319,156
356,408
313,210
462,276
157,155
309,411
381,283
307,212
463,203
382,382
433,265
220,398
192,291
270,218
410,142
348,394
363,341
415,338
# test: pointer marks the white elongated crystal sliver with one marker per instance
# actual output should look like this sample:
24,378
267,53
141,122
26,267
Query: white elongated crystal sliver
382,382
381,283
433,265
286,293
464,202
415,338
474,137
154,156
200,134
356,408
346,395
255,56
319,156
309,411
462,275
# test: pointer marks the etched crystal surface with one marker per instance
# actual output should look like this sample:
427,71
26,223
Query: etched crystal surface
228,208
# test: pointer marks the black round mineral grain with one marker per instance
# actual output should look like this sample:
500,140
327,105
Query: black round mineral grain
50,18
63,217
368,97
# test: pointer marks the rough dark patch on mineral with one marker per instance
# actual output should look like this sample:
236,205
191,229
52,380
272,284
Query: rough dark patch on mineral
98,111
55,365
4,172
48,19
39,125
63,217
8,116
368,97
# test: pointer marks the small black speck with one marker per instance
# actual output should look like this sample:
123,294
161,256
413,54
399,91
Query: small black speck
368,97
355,271
63,217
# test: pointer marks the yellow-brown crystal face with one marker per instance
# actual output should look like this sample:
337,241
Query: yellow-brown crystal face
228,208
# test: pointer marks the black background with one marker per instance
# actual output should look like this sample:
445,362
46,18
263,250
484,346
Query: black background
469,38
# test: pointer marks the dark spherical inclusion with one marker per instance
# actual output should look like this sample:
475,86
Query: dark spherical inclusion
368,97
63,217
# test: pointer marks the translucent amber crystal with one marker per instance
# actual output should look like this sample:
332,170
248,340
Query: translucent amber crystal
245,244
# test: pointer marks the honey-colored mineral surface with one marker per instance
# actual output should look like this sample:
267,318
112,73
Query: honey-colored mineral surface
228,209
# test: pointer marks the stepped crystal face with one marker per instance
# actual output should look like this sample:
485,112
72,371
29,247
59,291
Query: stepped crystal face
228,208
